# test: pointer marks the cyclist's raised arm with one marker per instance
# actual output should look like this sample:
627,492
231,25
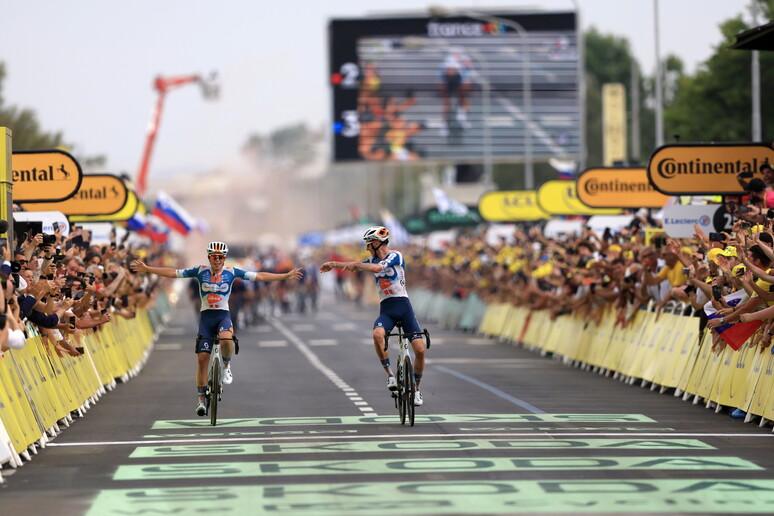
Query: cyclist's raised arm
273,276
352,266
140,266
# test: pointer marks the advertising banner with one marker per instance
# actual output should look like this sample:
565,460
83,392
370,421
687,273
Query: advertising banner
44,176
679,220
560,198
618,188
511,206
99,194
705,168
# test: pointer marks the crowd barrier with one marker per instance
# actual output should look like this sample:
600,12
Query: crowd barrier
664,353
41,392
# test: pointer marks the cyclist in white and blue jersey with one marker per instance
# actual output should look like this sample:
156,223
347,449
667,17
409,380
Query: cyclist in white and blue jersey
215,283
389,270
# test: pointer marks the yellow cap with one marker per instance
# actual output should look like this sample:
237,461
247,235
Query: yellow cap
757,229
686,250
615,248
713,253
590,263
730,251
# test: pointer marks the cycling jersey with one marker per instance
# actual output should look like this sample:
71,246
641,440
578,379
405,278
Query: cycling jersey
214,289
391,281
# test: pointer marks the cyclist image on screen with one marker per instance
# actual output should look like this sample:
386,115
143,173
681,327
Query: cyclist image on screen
455,84
215,282
389,268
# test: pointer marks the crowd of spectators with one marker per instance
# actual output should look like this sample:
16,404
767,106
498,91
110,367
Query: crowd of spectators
61,287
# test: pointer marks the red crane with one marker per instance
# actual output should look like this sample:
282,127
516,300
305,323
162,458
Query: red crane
162,85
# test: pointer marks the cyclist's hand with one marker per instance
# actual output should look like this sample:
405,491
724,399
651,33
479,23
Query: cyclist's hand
294,274
138,266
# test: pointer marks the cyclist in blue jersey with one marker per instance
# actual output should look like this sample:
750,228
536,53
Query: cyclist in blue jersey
389,269
215,282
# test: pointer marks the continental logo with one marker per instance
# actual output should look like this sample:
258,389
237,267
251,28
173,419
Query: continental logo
705,169
98,194
618,188
44,176
669,168
595,186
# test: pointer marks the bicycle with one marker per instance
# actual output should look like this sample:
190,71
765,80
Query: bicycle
404,396
214,376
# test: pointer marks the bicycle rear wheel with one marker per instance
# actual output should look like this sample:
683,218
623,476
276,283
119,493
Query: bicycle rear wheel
408,379
401,394
214,390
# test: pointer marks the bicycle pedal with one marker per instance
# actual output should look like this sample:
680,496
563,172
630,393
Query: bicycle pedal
394,394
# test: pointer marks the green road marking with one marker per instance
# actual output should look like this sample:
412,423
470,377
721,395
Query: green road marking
202,450
436,466
277,433
451,418
565,429
684,496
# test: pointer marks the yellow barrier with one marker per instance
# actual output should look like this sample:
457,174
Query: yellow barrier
668,352
39,390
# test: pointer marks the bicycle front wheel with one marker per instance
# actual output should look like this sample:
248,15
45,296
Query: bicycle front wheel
408,388
401,373
214,390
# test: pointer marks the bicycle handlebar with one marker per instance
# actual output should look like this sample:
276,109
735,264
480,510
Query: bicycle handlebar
400,334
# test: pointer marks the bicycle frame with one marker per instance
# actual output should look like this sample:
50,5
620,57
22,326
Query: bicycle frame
404,397
215,376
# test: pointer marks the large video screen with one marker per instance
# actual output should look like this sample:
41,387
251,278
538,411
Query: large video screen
453,89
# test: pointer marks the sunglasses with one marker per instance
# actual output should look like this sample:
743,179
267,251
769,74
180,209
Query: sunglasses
217,257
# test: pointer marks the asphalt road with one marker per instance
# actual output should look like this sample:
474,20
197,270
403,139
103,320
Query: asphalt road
308,427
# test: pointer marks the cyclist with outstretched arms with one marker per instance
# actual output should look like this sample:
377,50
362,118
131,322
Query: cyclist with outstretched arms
215,283
389,268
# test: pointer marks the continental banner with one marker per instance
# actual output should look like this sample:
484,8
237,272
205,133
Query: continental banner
560,198
618,188
99,194
511,206
705,168
44,176
125,213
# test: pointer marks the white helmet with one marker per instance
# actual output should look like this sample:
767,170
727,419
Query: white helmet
217,248
379,233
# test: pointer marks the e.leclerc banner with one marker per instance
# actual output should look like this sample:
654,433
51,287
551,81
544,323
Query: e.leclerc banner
618,188
705,168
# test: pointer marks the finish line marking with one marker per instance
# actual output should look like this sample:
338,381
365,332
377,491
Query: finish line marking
221,439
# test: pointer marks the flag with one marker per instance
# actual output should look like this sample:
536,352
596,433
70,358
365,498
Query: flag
139,220
737,334
447,204
566,167
155,229
398,234
174,215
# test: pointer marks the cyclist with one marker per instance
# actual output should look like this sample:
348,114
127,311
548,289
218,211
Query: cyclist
215,282
389,269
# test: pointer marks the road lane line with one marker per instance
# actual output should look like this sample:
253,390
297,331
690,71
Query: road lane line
318,364
493,390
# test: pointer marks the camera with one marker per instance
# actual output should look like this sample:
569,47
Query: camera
47,240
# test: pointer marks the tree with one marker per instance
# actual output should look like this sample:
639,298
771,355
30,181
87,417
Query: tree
27,133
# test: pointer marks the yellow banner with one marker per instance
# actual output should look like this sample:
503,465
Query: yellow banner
125,213
560,198
511,206
618,188
45,176
99,194
613,123
705,168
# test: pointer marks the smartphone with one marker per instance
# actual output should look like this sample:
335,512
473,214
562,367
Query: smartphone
746,174
79,350
72,320
717,293
103,311
716,237
686,271
770,213
689,289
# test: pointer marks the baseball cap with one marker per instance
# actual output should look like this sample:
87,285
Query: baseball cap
713,253
729,251
16,339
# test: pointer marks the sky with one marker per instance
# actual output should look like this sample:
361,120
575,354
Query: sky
86,67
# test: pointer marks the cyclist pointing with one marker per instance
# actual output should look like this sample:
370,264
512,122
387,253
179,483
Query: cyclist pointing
215,282
388,266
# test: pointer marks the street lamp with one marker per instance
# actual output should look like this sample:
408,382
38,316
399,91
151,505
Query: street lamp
417,42
437,11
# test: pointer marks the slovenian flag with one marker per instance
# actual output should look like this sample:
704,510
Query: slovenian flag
174,215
